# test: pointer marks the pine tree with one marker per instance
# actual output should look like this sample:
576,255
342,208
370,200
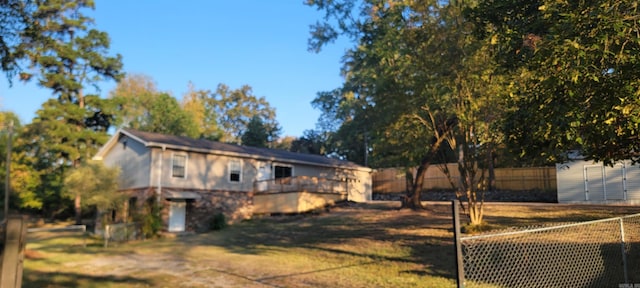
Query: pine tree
256,134
67,56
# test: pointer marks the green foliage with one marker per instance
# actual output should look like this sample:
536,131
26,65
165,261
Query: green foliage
236,108
96,183
574,73
150,219
24,184
67,54
140,106
14,18
256,134
198,104
61,135
223,115
416,80
167,117
133,96
311,142
218,222
64,54
378,116
24,179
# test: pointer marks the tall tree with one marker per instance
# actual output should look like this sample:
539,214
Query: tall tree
167,117
139,105
236,108
133,96
343,123
311,142
386,77
24,179
67,56
256,134
199,104
284,143
97,184
57,139
417,80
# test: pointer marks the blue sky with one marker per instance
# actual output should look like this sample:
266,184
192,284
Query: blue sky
259,43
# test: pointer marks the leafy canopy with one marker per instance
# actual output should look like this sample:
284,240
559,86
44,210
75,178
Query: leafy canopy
97,184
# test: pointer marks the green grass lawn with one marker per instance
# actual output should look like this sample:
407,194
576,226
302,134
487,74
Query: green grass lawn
364,245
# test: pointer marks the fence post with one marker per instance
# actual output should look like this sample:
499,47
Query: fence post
624,253
455,207
84,236
13,254
106,236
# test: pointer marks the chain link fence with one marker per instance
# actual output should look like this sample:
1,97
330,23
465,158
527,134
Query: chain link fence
601,253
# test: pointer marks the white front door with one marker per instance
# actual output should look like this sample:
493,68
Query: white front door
177,215
264,174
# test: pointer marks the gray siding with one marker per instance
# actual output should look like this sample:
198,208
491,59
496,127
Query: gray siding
134,159
203,171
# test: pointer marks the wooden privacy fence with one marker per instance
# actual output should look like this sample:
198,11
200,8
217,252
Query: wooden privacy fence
393,180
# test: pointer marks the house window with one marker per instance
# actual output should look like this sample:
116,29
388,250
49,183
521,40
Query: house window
235,171
281,171
179,166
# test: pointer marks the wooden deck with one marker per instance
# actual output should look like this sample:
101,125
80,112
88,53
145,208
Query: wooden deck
297,194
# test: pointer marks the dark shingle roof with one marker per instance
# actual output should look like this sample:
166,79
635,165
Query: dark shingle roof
202,145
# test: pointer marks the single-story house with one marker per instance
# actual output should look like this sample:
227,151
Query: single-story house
584,181
194,179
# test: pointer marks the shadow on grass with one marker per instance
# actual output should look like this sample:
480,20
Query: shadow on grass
33,278
339,231
265,280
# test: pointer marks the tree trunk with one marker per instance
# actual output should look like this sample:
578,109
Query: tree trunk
78,200
412,200
78,210
492,174
476,214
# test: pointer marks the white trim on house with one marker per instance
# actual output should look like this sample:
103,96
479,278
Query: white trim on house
185,167
230,170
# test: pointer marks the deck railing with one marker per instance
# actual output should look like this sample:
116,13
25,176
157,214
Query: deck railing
302,184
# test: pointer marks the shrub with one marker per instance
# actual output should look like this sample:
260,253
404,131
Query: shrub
218,222
151,220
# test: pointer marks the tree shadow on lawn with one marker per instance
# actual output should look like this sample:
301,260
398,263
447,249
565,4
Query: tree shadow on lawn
34,278
361,231
87,249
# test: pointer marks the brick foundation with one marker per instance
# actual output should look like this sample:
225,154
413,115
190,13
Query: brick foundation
236,206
